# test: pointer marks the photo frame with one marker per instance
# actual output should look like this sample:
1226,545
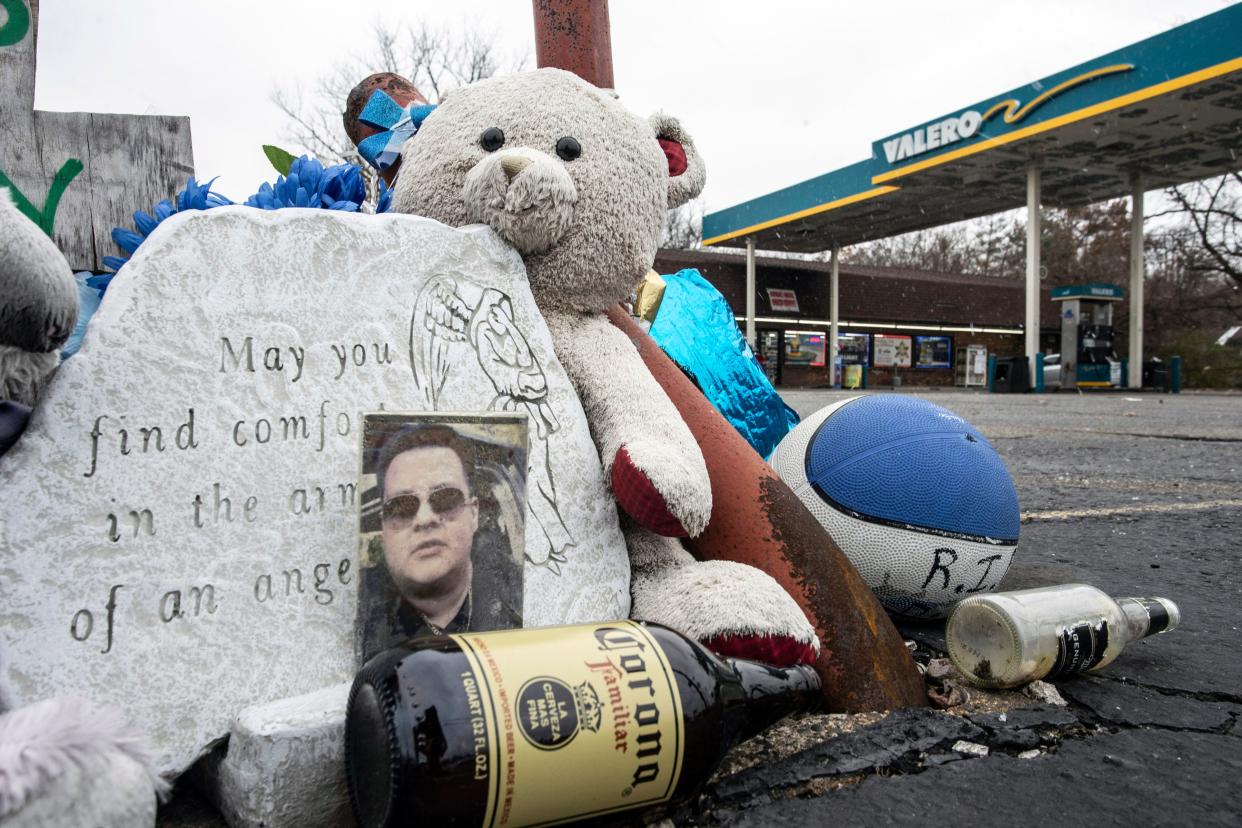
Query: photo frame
442,509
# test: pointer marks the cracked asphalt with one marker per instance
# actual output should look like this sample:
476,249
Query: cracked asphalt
1136,493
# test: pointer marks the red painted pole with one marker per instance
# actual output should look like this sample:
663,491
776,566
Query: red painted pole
574,35
756,519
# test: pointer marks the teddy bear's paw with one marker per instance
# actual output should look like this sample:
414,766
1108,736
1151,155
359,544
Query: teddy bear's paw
777,650
678,509
640,499
733,609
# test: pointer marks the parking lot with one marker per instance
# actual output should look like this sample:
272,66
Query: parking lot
1139,494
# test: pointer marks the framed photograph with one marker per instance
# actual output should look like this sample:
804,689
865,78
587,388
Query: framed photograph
441,525
933,351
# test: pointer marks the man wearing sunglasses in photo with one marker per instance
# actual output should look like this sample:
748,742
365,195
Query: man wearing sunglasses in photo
450,575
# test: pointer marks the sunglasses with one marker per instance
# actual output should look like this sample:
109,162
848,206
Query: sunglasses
403,508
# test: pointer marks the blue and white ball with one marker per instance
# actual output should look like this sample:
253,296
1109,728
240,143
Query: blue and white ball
915,496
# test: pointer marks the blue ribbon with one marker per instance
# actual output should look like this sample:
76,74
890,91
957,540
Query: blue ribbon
399,123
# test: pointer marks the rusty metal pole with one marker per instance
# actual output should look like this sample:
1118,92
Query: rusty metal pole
864,663
574,35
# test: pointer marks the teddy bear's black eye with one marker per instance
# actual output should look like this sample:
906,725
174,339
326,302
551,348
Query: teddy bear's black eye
492,139
568,148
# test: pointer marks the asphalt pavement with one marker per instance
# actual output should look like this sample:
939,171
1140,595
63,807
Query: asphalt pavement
1136,493
1139,494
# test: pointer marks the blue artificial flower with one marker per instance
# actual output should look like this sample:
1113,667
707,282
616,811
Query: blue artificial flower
200,197
195,196
384,204
308,184
89,294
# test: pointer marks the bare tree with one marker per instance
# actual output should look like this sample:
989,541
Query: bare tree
1185,287
434,59
1076,242
998,245
1213,209
683,226
945,249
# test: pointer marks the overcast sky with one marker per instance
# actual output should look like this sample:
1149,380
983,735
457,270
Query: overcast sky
774,92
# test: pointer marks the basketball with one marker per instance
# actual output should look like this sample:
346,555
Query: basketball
916,497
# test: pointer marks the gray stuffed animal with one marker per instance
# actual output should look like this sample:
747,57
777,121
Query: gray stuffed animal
38,304
62,761
580,187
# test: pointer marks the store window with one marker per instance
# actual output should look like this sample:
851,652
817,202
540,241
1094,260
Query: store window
933,351
892,351
804,349
855,348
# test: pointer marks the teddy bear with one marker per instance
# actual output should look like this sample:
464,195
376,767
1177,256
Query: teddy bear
63,761
579,186
38,309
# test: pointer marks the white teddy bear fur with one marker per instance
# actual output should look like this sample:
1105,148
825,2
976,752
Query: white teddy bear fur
616,227
588,229
38,304
67,762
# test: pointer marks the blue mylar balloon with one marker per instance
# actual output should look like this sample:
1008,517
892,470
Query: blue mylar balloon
695,327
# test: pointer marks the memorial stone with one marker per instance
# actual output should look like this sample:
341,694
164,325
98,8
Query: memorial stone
178,526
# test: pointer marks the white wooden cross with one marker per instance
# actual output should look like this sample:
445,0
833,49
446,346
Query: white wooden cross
79,174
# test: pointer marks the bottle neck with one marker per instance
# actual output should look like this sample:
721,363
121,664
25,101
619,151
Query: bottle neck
1149,616
769,694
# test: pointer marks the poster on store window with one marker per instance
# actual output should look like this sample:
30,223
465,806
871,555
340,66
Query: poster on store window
854,348
933,351
892,351
804,349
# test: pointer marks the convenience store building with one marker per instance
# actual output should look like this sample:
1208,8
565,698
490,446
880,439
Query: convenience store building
1164,111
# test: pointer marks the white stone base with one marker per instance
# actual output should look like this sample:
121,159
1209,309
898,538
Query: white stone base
285,765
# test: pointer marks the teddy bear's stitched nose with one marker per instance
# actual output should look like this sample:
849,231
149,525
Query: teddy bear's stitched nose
514,164
527,197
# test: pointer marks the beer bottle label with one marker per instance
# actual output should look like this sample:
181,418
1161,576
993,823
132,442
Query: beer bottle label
1080,647
598,728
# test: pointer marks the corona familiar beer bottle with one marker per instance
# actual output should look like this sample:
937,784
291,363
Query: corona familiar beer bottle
545,726
1009,638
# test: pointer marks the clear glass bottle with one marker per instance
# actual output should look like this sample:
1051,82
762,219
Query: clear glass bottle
1009,638
544,726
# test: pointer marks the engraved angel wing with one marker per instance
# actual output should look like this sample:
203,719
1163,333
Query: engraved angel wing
440,316
506,357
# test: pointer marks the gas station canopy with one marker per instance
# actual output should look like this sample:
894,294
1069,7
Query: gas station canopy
1163,111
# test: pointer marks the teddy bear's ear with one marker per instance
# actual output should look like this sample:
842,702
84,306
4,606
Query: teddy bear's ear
686,173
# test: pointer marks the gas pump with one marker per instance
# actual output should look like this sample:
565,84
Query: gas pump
1087,357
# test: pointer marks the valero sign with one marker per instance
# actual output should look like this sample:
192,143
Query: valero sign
933,136
966,124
